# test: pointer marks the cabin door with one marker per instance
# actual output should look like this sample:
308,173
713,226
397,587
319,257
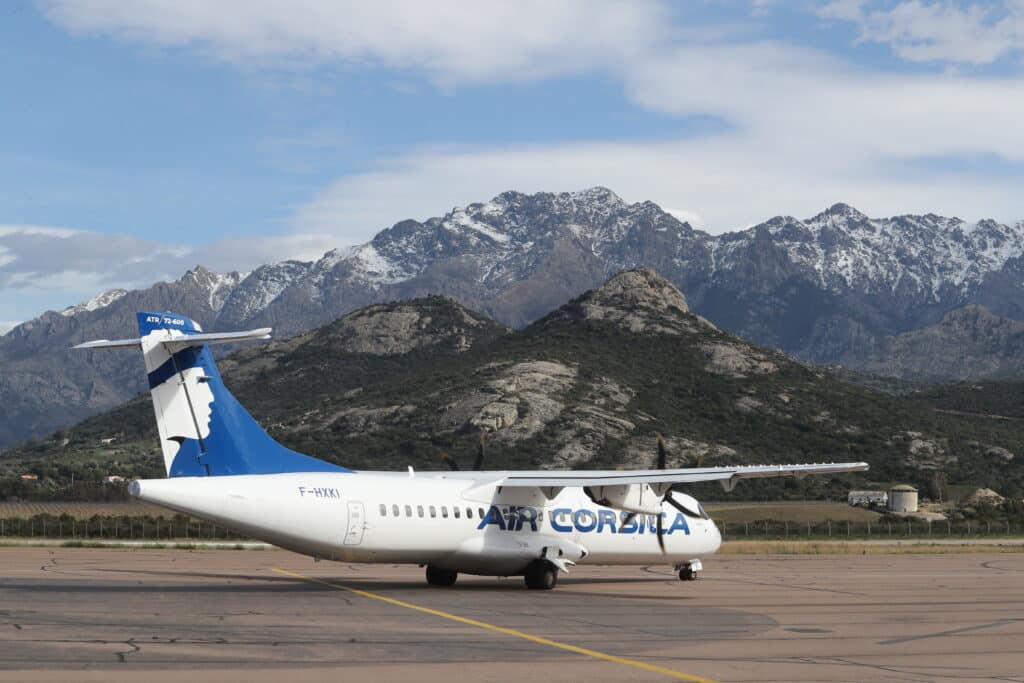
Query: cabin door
356,523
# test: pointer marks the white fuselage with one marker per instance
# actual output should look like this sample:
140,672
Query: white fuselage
442,521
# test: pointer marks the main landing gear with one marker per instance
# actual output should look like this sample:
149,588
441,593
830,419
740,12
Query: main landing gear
541,576
441,577
688,570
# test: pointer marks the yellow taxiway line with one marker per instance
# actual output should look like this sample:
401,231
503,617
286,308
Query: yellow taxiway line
671,673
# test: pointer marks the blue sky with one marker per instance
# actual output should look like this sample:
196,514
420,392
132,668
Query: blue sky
141,138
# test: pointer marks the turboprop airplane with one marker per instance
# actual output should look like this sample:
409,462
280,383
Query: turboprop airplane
223,467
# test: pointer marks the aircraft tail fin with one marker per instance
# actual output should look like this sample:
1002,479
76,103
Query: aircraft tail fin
204,430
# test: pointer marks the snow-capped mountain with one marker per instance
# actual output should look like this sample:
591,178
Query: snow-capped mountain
95,303
830,288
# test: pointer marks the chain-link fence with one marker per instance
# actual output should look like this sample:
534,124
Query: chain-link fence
906,528
99,527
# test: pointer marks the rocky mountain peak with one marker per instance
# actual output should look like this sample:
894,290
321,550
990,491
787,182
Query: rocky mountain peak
102,301
842,211
640,300
640,288
400,327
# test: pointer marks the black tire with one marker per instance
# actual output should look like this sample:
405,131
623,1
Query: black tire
541,576
687,574
441,577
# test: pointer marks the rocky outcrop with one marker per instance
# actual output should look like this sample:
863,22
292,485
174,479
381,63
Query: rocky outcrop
981,497
397,328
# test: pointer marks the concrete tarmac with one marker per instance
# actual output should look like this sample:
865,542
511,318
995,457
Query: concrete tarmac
86,614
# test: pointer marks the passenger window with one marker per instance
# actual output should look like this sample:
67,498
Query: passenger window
394,511
419,510
383,510
408,511
481,511
433,511
444,511
456,512
469,513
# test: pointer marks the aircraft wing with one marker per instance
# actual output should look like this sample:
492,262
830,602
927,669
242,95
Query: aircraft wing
659,480
691,475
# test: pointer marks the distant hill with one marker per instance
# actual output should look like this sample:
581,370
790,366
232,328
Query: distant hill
837,287
588,385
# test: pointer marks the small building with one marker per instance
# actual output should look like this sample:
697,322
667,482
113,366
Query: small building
903,498
113,479
30,477
867,498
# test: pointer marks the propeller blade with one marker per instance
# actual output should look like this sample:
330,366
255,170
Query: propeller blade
675,503
450,461
628,519
661,453
479,461
661,535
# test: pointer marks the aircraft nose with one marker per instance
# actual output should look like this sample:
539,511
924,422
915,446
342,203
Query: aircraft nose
716,537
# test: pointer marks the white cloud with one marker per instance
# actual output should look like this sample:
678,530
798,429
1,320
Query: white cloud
806,129
452,41
972,33
58,267
8,325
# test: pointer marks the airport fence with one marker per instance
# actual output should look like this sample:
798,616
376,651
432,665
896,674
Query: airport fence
869,530
100,527
181,527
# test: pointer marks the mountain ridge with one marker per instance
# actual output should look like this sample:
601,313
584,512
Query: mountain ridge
827,289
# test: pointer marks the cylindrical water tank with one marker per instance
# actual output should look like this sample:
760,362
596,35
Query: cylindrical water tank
903,498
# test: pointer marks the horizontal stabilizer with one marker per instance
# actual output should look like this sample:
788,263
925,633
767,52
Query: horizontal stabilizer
177,343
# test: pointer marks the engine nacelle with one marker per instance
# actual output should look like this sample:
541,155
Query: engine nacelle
639,498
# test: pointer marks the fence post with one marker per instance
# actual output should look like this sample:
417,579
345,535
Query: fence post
869,527
808,529
988,528
889,524
847,529
787,528
830,528
746,528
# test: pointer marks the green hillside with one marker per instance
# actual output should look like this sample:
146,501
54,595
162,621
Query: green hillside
587,386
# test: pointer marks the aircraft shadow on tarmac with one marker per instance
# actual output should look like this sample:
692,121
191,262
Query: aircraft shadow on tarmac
284,583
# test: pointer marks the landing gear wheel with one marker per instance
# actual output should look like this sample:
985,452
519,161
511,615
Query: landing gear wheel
687,573
541,576
441,577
